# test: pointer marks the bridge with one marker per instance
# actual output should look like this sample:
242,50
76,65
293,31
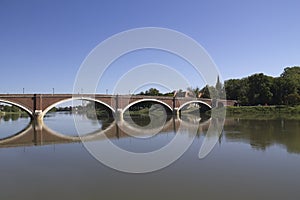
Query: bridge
37,105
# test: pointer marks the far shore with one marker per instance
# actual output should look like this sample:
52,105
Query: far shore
262,112
12,113
231,111
263,109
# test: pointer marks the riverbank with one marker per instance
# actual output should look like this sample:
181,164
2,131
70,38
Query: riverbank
262,112
12,113
144,112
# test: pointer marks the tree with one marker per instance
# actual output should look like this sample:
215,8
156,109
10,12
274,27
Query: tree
259,89
11,108
293,99
291,80
277,90
151,92
237,89
15,109
232,88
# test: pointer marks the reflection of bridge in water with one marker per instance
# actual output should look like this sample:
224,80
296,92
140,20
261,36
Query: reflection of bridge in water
36,134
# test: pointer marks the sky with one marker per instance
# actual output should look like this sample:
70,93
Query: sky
44,43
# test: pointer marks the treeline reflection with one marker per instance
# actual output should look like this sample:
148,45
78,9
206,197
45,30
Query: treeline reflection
262,134
259,134
13,116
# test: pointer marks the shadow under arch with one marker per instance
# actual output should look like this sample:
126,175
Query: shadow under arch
28,111
76,98
168,110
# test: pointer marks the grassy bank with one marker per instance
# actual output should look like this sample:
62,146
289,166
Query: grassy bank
12,113
264,112
263,109
244,111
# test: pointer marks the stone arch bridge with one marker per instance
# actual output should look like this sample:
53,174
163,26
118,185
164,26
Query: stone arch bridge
37,105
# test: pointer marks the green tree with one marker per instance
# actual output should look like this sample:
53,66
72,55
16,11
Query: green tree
259,89
151,92
262,89
237,89
15,109
290,81
232,88
7,108
293,99
277,91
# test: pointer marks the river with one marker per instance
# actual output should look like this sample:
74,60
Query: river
253,159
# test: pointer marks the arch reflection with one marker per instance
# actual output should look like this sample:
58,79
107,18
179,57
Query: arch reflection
36,134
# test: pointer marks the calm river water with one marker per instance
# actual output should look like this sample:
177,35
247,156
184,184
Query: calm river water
254,159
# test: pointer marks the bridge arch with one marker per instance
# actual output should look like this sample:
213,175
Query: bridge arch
170,109
28,111
194,101
76,98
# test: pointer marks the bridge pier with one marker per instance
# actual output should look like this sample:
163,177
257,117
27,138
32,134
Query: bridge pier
37,126
119,115
175,112
38,117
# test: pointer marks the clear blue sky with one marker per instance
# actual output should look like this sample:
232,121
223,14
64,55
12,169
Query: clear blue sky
43,43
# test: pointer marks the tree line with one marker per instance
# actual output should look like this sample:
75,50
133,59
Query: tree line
256,89
9,108
213,92
260,89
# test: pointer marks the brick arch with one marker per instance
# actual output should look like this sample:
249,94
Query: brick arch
147,100
28,111
76,98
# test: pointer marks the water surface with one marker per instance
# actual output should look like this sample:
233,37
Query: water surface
254,159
